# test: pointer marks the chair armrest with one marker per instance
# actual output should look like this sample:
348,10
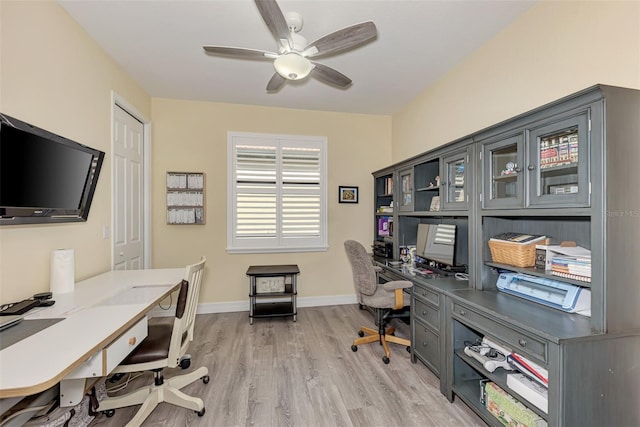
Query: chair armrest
397,287
397,284
377,269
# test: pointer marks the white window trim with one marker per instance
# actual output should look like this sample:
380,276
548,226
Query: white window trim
322,241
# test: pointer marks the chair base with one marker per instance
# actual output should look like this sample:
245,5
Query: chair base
150,396
372,335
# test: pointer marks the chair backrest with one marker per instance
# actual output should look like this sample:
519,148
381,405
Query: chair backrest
186,308
364,275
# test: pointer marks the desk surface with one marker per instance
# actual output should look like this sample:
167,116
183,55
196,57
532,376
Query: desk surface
94,314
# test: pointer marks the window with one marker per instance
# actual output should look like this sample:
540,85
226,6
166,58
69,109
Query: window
277,193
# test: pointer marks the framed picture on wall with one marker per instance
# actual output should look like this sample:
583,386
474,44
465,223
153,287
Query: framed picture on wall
347,194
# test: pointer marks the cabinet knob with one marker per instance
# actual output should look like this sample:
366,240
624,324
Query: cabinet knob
463,312
132,341
424,312
531,167
425,344
522,342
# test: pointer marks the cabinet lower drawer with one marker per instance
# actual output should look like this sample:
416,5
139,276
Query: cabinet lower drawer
517,340
427,314
426,346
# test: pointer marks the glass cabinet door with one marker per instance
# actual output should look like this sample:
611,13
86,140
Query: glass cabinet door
406,190
558,164
455,182
503,177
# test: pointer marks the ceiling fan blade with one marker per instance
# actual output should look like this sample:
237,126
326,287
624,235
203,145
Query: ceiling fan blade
240,52
275,20
341,40
275,83
330,76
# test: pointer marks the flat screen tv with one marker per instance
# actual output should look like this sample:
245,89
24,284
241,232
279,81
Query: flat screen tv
44,177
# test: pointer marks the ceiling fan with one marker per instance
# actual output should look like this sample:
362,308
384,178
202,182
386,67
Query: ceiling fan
291,61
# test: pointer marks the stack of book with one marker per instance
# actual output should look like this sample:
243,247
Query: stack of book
572,267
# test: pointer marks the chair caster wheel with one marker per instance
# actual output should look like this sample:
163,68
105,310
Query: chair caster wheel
354,348
360,334
200,413
185,363
385,359
408,349
205,379
109,413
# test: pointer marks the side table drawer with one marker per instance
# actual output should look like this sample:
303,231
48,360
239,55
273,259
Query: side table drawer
427,314
427,346
426,294
518,341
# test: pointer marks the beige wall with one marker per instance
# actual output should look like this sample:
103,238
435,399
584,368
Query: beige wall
556,48
192,136
54,76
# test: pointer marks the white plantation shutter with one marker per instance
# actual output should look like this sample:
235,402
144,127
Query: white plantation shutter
277,195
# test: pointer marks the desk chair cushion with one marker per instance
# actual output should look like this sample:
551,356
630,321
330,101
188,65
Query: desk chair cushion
156,345
385,297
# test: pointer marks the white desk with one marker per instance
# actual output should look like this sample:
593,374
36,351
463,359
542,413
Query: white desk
106,312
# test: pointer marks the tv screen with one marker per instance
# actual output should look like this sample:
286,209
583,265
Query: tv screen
44,177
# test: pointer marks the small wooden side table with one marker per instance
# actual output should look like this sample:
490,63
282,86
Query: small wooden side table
272,282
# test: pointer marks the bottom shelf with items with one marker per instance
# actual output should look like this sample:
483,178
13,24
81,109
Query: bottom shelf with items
470,379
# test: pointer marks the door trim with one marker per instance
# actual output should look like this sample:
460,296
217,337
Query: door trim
119,101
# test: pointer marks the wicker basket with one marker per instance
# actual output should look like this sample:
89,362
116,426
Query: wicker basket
516,254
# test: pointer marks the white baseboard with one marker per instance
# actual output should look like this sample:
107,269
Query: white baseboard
234,306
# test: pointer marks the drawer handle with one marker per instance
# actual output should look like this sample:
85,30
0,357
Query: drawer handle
424,294
424,312
463,312
425,344
132,341
522,342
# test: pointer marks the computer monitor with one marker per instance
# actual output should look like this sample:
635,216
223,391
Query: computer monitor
437,242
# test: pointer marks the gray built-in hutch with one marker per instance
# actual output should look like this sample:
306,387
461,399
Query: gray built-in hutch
498,180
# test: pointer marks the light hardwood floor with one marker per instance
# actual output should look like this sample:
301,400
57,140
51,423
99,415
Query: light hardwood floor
303,374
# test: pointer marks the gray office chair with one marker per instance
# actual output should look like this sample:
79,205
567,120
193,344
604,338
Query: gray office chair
387,299
165,347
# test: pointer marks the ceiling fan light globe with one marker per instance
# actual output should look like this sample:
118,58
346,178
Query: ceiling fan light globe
293,66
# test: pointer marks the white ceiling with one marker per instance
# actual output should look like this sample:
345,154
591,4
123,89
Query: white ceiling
159,43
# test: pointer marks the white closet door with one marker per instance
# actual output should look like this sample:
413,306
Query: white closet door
128,184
